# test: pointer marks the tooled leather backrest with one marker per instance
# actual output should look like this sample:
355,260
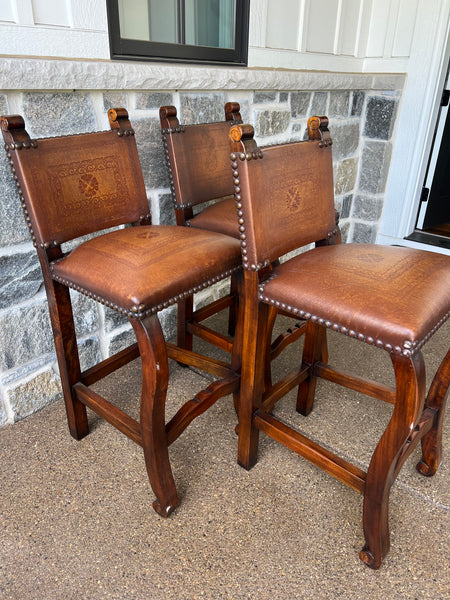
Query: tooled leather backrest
284,193
75,185
197,157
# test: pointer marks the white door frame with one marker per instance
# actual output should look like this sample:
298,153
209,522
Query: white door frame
418,116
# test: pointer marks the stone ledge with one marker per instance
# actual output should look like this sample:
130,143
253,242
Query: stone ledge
56,74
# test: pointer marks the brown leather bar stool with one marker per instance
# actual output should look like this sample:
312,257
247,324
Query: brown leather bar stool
74,186
392,298
202,194
198,164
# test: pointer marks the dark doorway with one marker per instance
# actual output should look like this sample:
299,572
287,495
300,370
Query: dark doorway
437,215
433,219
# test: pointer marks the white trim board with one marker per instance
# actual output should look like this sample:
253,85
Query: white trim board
417,121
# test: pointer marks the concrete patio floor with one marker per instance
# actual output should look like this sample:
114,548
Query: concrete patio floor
77,523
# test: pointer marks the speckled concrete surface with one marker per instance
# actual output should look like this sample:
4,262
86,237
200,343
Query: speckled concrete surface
76,519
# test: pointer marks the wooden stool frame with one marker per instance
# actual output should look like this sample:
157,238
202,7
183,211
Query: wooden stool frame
415,418
114,150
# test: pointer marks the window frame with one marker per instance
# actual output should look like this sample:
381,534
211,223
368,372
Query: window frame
142,50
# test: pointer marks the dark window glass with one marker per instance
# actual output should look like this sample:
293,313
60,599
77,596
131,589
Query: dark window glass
208,31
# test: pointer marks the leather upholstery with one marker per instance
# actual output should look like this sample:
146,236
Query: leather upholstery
200,162
139,270
201,184
388,296
292,200
74,186
97,174
391,297
220,217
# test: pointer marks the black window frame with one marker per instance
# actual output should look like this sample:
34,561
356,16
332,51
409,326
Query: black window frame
128,49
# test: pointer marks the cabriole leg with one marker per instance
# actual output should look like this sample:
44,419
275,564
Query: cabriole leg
436,399
410,385
155,377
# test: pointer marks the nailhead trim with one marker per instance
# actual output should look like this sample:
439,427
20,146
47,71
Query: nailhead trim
141,311
237,195
125,132
408,348
179,129
34,144
332,233
52,244
19,146
164,134
145,219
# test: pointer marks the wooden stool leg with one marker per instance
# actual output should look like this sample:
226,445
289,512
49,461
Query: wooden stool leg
238,339
185,312
386,459
233,310
63,326
155,377
314,349
252,382
271,318
436,400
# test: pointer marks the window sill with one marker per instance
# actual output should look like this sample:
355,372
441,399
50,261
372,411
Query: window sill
60,74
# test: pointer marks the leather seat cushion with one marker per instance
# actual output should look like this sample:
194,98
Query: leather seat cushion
220,217
392,297
143,269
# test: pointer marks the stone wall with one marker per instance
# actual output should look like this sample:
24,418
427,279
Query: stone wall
362,123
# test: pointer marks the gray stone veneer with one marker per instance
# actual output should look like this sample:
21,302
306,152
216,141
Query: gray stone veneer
362,122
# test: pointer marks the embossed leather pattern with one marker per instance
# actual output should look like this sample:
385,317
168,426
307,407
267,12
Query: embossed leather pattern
289,208
204,173
139,270
77,185
198,166
387,296
97,174
391,297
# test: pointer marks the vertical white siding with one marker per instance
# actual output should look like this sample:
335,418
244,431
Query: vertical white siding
24,12
283,24
7,11
349,27
298,34
404,31
316,30
88,14
379,22
258,23
51,12
322,22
